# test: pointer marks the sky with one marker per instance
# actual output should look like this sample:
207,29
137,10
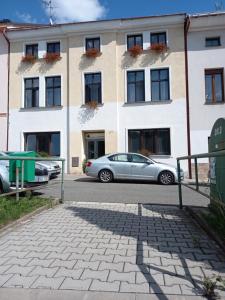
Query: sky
34,11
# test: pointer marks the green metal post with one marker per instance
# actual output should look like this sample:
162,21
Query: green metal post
62,182
179,185
17,181
196,173
22,175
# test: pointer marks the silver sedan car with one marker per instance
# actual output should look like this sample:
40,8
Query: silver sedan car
131,166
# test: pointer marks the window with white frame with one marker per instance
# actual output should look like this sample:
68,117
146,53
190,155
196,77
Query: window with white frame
149,141
93,87
135,86
53,91
31,92
160,85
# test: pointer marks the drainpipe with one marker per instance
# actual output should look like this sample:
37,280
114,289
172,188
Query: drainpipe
186,28
8,63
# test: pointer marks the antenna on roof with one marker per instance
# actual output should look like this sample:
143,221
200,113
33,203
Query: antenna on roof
219,5
50,7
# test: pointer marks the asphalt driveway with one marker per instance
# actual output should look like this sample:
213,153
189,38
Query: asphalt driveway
86,189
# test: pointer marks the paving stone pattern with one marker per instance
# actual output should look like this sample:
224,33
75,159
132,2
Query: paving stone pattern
112,248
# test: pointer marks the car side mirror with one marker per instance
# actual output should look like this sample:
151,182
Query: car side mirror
148,162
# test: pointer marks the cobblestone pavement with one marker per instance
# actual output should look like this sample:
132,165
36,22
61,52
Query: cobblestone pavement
111,248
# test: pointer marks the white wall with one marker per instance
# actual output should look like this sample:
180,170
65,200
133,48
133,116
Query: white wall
203,116
147,116
39,120
3,91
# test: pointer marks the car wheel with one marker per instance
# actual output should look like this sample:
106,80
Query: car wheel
166,178
105,176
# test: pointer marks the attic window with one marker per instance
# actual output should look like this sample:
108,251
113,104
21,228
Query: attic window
212,42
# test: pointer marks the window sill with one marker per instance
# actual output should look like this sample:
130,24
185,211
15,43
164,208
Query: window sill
165,156
41,108
215,103
86,105
147,103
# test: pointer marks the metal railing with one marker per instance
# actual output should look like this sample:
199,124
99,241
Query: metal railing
195,158
20,183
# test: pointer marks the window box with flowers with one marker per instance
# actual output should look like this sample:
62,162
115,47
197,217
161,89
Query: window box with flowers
158,48
92,53
29,58
92,104
51,57
135,50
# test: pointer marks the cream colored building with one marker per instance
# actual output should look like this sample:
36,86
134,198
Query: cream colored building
141,100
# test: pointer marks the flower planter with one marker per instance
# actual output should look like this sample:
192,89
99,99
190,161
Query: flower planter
30,59
92,104
159,47
92,53
135,50
52,57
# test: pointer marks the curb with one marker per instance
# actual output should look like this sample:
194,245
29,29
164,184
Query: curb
5,229
203,224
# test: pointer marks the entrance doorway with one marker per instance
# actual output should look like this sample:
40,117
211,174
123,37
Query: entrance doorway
95,145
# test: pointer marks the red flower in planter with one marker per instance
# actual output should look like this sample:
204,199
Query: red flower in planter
158,47
52,57
92,52
135,50
92,104
29,58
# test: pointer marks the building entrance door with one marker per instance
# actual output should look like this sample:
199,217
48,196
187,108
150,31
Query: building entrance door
95,148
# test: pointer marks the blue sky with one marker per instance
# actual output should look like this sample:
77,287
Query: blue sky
82,10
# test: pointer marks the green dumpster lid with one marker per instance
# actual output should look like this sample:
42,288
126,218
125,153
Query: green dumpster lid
217,138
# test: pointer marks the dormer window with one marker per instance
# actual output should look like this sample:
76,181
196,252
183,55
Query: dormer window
134,40
212,42
158,38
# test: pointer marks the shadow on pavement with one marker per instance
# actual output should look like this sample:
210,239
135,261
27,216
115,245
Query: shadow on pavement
150,228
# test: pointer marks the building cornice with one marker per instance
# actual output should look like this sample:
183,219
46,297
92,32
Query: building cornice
121,25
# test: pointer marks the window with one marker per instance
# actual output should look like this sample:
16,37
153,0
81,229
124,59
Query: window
214,86
53,47
135,158
32,50
31,93
149,141
133,40
53,91
93,43
158,38
135,86
43,142
160,90
93,87
119,158
212,41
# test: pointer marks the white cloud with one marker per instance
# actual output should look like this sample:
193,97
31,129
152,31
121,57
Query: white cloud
76,10
25,17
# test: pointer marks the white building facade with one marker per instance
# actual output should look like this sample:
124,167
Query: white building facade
206,64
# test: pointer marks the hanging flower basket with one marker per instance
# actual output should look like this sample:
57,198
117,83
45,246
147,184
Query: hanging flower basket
158,47
135,50
51,57
92,53
92,104
31,59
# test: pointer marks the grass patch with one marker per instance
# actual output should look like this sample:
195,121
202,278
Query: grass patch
11,210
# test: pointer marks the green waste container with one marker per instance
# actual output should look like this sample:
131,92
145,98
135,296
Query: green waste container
29,166
217,164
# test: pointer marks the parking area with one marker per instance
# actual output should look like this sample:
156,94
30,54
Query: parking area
87,189
120,248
